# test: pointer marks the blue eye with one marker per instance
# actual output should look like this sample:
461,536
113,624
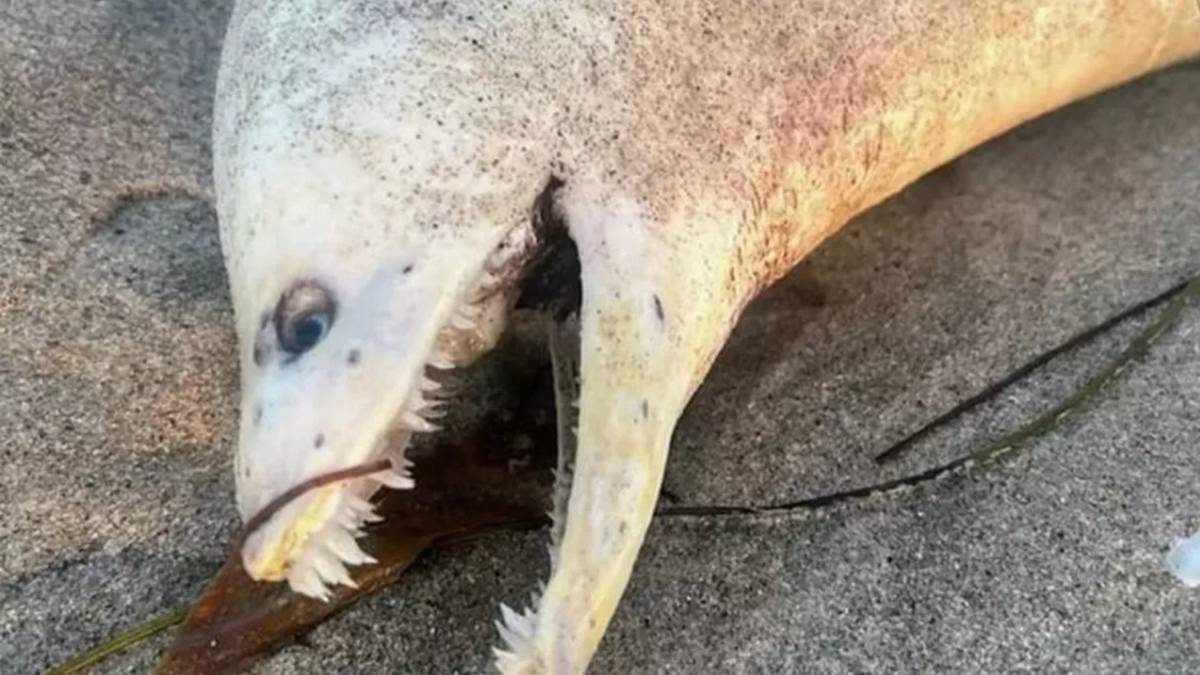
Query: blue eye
303,317
307,331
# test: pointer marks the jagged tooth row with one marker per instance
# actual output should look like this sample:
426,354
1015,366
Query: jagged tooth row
416,411
400,476
322,562
349,520
428,400
467,314
465,318
331,570
558,513
342,544
516,629
303,578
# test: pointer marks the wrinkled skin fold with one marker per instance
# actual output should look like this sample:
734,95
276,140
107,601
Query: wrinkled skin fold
382,171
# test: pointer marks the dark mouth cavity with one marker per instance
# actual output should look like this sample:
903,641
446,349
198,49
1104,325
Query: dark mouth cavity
552,288
552,284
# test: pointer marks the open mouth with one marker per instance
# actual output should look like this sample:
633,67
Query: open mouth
311,538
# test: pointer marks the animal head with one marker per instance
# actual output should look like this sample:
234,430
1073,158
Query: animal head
385,176
375,221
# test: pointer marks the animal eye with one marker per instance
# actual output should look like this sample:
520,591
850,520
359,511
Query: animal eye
303,317
307,331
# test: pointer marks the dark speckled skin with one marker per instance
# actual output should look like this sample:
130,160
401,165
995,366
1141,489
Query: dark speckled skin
785,117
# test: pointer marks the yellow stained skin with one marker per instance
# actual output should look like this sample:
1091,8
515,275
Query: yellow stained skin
706,148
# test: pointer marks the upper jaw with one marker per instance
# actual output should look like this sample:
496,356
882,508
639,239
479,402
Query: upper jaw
311,540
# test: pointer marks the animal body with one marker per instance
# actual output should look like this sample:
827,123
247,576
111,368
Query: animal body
387,171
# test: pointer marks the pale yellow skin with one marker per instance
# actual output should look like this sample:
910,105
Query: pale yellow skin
706,147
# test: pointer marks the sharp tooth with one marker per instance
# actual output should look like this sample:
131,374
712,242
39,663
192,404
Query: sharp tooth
511,639
428,384
348,519
330,569
506,661
419,403
435,410
397,458
395,480
359,505
462,323
440,361
353,516
362,509
417,423
416,401
521,624
341,544
304,579
401,464
366,518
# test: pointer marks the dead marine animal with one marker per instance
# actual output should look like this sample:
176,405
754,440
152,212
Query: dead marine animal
386,173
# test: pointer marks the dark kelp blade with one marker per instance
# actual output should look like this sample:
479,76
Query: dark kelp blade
497,478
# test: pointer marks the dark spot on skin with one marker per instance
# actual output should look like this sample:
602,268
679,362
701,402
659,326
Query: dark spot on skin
260,355
622,527
353,357
257,414
407,269
658,309
319,441
645,409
